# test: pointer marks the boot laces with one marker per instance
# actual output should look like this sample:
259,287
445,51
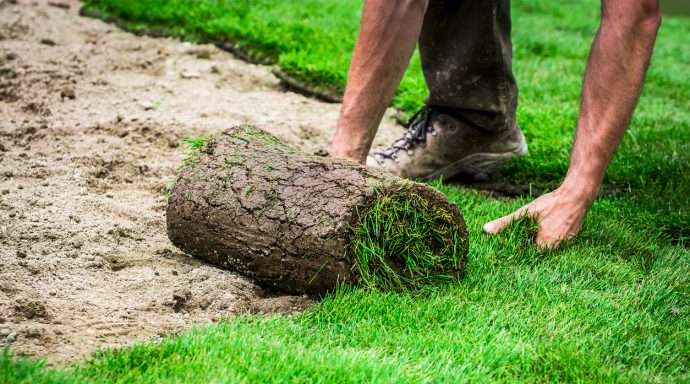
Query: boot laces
418,126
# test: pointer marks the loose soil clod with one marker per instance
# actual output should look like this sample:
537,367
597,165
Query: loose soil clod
303,223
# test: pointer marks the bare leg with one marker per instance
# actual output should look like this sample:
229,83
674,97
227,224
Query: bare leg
612,84
388,36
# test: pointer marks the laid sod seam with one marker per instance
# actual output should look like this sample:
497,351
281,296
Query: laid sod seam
291,79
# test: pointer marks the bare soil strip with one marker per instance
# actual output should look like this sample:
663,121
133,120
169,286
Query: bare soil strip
90,134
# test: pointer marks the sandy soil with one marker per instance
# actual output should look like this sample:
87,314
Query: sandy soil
90,134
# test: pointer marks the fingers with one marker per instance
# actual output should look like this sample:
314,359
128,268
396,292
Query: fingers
546,244
558,221
496,226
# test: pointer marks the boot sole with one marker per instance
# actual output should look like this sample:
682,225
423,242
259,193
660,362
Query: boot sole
479,165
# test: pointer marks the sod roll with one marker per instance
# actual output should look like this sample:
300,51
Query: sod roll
305,224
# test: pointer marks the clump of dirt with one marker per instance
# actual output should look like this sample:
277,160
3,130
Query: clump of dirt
89,139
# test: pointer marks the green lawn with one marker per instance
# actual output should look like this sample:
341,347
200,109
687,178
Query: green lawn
613,306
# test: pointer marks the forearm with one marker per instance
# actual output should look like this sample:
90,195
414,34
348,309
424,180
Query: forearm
613,80
388,36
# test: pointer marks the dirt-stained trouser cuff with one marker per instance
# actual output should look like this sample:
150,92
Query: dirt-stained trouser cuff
466,54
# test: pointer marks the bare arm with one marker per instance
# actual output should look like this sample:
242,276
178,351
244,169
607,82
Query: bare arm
388,36
612,84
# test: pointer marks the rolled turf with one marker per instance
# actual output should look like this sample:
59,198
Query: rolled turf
301,223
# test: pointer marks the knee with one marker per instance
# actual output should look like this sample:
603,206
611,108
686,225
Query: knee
643,15
649,15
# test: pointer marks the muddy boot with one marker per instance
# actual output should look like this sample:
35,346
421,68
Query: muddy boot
438,145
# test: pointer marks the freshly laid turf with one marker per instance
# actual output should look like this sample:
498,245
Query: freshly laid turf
613,306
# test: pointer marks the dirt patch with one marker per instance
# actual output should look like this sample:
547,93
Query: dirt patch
92,120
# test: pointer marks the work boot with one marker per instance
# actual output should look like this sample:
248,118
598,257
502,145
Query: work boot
437,145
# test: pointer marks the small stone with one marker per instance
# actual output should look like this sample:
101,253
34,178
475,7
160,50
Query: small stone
5,191
68,92
481,177
78,242
109,195
188,74
321,152
58,4
201,53
150,105
47,41
174,273
21,254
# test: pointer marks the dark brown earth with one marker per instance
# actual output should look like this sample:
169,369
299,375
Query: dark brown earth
283,217
90,135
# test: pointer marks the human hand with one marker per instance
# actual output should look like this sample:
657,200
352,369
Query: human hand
559,216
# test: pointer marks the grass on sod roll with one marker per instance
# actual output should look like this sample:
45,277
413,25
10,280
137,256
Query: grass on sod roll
193,144
403,242
612,306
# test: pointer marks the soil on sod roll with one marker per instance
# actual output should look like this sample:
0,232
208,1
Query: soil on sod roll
301,223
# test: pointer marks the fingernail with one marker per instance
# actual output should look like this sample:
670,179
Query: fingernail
488,228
